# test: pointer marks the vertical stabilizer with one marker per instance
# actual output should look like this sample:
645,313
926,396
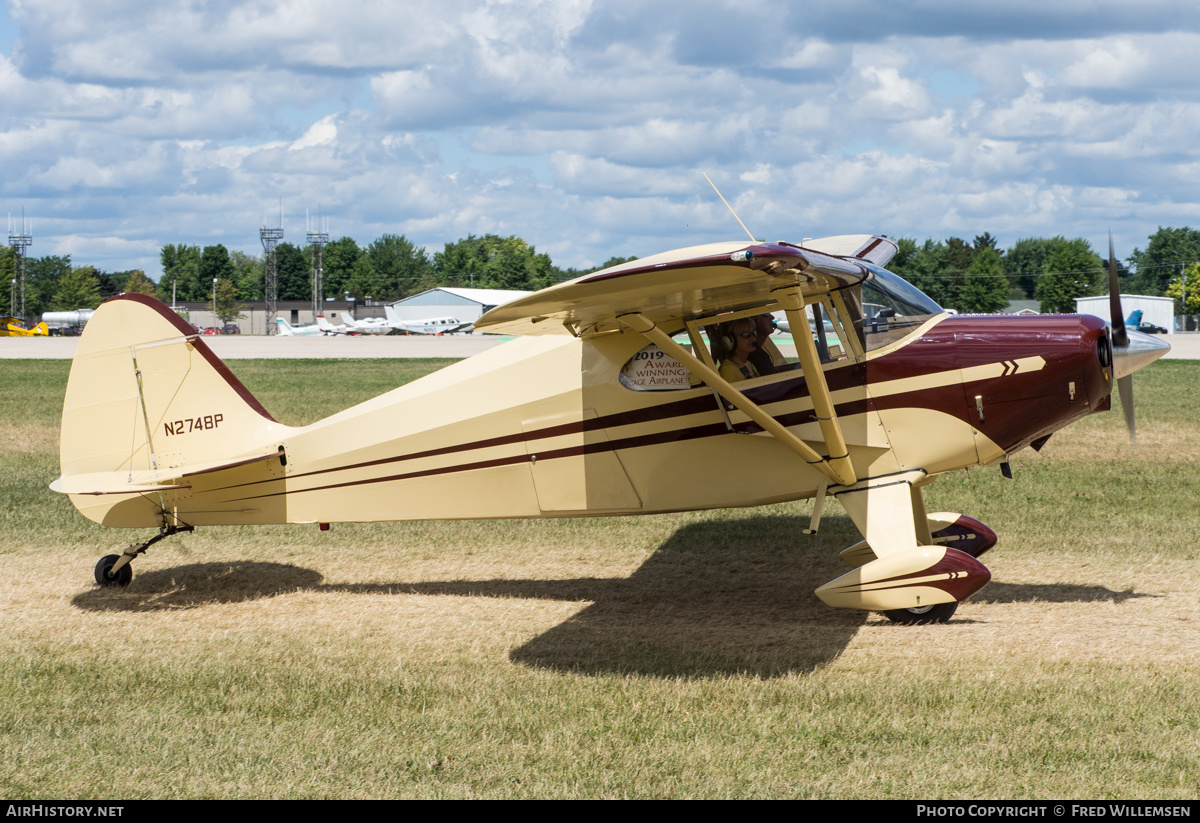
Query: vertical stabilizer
145,395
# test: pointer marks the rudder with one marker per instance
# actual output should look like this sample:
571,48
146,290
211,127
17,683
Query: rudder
146,396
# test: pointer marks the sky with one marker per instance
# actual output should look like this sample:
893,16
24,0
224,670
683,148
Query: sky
585,127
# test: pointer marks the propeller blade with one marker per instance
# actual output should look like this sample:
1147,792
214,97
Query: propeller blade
1125,386
1120,338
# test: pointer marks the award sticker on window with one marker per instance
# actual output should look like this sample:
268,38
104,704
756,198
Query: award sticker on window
652,370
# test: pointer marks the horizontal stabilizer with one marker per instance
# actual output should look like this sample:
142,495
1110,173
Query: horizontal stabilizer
110,483
140,482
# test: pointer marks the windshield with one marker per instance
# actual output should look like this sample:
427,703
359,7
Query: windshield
888,308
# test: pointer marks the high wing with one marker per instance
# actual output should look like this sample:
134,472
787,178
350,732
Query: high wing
673,287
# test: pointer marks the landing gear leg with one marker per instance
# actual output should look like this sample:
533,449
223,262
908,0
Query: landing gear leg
114,569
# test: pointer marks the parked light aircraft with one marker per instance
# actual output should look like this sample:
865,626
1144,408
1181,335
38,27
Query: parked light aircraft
433,325
13,327
328,328
368,325
596,410
286,329
1134,321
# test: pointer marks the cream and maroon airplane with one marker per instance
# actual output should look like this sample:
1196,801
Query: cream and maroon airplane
596,409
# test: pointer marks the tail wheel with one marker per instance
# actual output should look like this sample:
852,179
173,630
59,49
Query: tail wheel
922,615
121,578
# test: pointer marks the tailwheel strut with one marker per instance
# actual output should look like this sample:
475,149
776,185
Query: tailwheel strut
114,569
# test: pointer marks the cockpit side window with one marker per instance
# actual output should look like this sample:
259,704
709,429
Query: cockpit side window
887,308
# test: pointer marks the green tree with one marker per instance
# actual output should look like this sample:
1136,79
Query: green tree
228,307
341,256
959,255
139,283
494,262
985,240
6,280
248,275
1190,278
928,268
295,276
1168,251
110,284
985,288
361,280
558,275
400,267
78,289
1072,270
614,261
901,262
215,265
1024,262
181,274
462,262
42,276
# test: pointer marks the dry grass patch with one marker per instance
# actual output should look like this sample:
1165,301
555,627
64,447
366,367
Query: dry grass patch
23,438
666,656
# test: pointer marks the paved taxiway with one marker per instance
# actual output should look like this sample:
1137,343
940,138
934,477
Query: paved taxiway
242,347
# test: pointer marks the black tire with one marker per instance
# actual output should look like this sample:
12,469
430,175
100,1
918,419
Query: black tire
122,577
922,615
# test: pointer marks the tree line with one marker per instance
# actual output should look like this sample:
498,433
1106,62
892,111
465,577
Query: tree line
979,277
975,276
390,268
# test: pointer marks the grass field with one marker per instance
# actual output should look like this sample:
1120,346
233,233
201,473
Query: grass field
665,656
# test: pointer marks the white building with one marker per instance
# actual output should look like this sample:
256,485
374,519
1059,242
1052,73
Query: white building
1157,310
465,305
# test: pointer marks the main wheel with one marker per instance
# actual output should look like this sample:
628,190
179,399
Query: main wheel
121,578
921,615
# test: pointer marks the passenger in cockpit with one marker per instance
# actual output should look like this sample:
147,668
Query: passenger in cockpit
766,357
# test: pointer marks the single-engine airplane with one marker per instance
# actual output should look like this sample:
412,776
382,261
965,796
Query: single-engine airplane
329,329
285,329
595,409
13,327
432,325
368,325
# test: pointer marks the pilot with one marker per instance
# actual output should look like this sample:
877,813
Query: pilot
767,358
732,346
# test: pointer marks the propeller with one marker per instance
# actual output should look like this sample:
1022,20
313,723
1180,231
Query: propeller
1131,349
1120,341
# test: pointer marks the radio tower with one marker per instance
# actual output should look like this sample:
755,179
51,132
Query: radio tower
18,242
270,239
316,243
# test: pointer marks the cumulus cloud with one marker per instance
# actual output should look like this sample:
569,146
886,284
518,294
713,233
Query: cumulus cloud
584,126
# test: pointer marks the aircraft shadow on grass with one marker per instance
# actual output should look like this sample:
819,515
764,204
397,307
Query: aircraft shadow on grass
718,597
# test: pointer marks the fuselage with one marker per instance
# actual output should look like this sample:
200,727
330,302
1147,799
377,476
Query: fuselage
544,427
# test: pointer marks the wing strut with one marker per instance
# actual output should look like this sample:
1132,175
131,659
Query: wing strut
839,456
835,472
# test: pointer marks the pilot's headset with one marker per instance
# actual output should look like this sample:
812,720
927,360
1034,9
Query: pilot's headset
724,339
720,339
